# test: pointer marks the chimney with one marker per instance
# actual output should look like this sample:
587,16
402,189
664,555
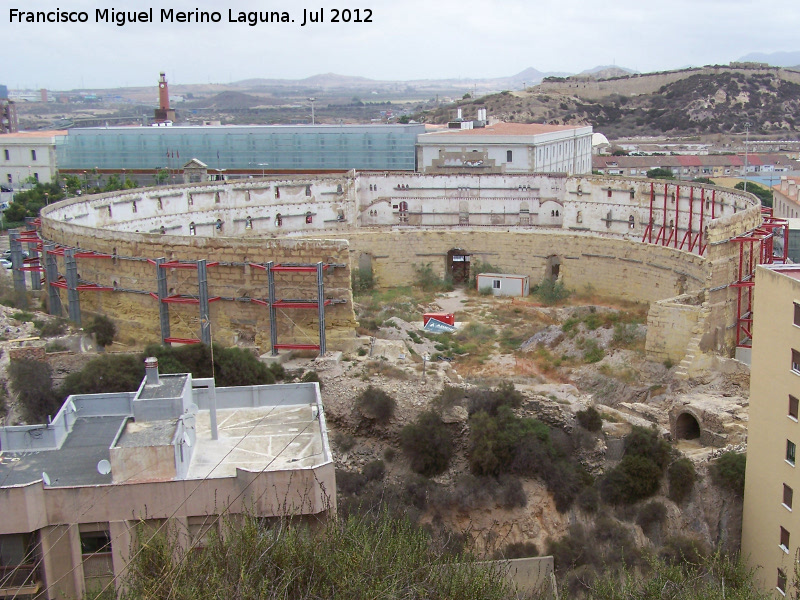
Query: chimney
151,370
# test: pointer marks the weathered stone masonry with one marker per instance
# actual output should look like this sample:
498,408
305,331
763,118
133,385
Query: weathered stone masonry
591,228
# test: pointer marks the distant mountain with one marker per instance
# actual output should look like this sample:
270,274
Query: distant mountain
777,59
528,77
606,72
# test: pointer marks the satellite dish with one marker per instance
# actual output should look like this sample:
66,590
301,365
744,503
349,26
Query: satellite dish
104,467
187,440
45,478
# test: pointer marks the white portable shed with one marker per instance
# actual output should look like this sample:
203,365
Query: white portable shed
504,284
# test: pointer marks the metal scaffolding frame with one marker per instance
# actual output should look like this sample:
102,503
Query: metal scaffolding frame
756,247
668,233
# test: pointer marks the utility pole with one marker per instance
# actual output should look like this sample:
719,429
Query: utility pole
746,156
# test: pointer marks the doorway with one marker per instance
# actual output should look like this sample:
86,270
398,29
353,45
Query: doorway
458,262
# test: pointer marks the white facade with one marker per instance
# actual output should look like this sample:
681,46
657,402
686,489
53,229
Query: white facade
28,154
507,148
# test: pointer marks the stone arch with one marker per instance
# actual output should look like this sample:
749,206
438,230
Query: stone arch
553,267
687,427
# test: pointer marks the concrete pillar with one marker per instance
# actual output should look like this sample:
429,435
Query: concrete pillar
273,317
163,307
33,252
202,290
16,264
50,276
73,298
61,560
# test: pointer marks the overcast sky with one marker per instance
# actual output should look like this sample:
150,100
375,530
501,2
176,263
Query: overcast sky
407,39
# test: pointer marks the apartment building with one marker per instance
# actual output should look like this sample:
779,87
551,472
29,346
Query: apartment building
771,520
28,154
178,452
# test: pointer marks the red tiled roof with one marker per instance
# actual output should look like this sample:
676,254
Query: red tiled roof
690,160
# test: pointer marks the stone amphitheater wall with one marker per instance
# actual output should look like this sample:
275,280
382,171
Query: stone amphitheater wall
590,227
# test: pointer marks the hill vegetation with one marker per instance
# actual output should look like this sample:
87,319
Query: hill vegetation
698,104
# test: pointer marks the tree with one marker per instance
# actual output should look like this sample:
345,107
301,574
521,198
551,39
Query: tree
659,173
103,329
29,202
161,176
108,373
32,381
763,194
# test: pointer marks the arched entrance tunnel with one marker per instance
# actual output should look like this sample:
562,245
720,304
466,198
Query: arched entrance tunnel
458,262
687,427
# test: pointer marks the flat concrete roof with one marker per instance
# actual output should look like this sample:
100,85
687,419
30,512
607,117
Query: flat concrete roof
75,463
147,433
169,386
257,439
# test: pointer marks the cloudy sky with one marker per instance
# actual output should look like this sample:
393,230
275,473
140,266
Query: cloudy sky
407,39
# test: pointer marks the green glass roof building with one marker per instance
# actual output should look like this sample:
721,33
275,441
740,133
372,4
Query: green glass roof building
252,147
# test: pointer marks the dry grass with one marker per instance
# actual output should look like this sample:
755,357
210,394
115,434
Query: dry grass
381,367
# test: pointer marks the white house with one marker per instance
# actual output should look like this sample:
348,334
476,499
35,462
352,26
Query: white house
28,154
507,148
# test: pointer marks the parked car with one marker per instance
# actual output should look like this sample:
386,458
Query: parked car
5,188
5,263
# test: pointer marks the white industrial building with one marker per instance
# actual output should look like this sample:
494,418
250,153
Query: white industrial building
507,148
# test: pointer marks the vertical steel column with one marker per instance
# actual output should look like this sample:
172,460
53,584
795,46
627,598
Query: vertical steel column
163,307
16,264
202,289
73,298
33,253
50,277
321,307
702,212
677,213
273,320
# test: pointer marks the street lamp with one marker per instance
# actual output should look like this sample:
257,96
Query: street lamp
312,100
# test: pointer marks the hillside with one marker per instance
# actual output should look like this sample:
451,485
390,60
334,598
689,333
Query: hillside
698,104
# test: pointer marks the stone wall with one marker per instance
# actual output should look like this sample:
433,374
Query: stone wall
234,318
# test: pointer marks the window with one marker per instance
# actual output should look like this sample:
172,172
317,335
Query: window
309,217
33,154
496,284
781,582
163,230
609,192
10,180
795,361
36,177
308,191
788,493
579,217
631,222
94,542
277,192
133,206
218,225
109,210
784,540
793,406
509,156
278,220
790,452
797,314
248,223
7,154
192,228
160,204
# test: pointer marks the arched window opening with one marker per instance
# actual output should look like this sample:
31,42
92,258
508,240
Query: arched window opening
309,217
687,427
218,225
248,222
278,220
192,228
631,222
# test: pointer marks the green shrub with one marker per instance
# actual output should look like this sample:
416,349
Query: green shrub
32,381
648,444
428,444
634,479
651,516
363,280
389,454
374,470
103,329
277,370
22,316
428,281
592,353
237,366
55,347
589,419
683,551
344,441
517,550
681,476
349,483
376,405
551,292
589,500
51,327
490,400
728,472
105,374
